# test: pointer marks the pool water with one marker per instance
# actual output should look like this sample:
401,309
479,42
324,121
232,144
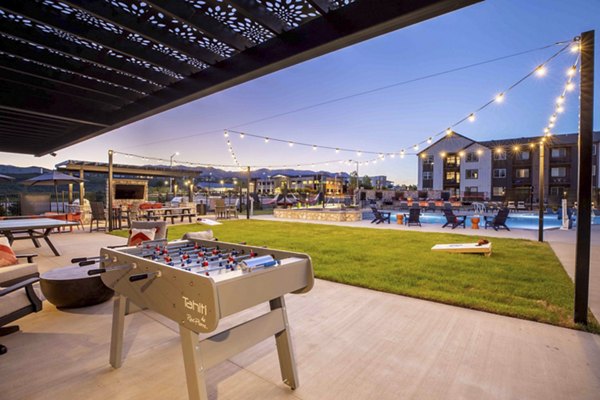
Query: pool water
515,220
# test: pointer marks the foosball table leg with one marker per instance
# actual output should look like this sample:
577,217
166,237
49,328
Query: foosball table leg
194,368
285,351
118,325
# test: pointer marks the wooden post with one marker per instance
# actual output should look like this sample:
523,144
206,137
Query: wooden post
584,179
541,192
109,194
81,190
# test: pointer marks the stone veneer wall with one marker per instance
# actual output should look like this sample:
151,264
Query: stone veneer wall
126,202
318,215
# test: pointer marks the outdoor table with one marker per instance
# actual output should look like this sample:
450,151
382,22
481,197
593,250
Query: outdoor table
29,227
183,211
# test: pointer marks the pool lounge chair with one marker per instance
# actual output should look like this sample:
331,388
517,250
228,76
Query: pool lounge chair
413,218
380,216
499,221
521,205
454,221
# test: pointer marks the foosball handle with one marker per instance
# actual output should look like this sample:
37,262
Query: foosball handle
88,262
138,277
96,271
78,259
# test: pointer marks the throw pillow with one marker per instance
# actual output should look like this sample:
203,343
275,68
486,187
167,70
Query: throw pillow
137,236
7,255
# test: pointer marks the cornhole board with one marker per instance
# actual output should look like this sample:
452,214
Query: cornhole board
207,221
467,248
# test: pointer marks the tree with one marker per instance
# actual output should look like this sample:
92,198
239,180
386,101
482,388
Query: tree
366,182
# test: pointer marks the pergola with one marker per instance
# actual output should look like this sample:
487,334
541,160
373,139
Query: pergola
83,167
71,70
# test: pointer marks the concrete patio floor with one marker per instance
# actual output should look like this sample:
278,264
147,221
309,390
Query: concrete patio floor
350,343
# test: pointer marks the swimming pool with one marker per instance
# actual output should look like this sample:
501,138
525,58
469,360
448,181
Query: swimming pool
515,220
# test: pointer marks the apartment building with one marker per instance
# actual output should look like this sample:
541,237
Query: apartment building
506,169
332,184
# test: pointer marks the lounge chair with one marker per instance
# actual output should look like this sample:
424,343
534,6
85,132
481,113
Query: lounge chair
414,215
380,216
18,297
521,205
431,206
454,221
499,221
511,205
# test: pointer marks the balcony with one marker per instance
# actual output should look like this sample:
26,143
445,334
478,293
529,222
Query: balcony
521,181
560,179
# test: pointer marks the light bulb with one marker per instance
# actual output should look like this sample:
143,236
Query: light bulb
546,130
560,109
479,152
560,100
499,98
359,153
541,70
572,70
570,86
448,131
314,147
337,151
266,140
242,135
472,117
516,148
461,153
290,144
226,134
416,147
393,155
553,118
551,125
429,140
442,154
575,47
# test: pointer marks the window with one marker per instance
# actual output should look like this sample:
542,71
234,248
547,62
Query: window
593,149
451,175
499,155
558,172
428,160
593,170
500,173
472,157
522,173
427,175
498,191
472,174
557,191
453,160
559,152
471,189
524,155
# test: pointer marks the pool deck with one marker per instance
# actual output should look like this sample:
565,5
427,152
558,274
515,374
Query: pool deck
350,343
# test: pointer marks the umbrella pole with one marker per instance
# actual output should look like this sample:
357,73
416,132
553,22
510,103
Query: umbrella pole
56,194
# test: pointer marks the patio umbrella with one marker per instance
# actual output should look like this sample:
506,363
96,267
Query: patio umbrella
6,178
53,178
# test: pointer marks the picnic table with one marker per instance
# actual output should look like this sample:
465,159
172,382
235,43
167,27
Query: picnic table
34,229
170,212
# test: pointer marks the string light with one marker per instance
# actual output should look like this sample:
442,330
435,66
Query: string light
540,70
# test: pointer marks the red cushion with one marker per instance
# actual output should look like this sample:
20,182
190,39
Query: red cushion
7,255
137,236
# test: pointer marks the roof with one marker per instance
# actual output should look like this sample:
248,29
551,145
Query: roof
73,69
445,137
567,138
123,169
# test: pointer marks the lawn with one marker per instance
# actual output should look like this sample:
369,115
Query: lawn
523,279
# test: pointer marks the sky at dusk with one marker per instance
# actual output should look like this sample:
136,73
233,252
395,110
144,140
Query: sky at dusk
384,121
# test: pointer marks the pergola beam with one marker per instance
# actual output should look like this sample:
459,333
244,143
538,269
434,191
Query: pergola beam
202,22
75,66
100,57
72,92
322,6
53,18
259,13
105,11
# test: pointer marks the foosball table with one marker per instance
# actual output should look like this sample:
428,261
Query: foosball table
196,283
